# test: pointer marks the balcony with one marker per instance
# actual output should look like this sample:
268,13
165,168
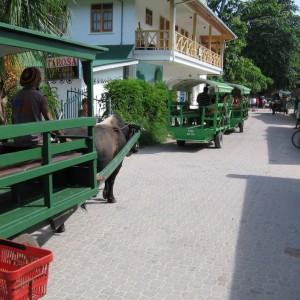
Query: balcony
160,40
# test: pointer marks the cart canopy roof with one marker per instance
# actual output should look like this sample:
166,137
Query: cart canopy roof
283,92
17,40
244,90
185,84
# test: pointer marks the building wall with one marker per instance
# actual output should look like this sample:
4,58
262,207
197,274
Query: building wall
159,8
121,34
100,77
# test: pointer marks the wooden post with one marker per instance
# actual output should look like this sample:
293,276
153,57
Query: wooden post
172,25
195,35
222,49
209,43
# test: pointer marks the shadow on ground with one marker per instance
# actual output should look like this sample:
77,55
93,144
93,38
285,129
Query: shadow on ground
267,262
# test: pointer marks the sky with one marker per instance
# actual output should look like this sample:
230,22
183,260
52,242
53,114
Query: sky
297,2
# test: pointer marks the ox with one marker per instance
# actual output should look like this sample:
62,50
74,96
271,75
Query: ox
111,136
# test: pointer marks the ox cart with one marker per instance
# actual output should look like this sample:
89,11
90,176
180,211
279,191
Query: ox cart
45,185
240,106
280,102
199,125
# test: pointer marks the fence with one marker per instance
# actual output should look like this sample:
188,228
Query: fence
71,108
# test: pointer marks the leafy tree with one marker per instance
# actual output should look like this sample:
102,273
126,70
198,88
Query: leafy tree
273,40
40,15
139,102
268,39
49,16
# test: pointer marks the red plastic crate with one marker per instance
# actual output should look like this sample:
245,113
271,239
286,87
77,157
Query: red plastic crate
23,271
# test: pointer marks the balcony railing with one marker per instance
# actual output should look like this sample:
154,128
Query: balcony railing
160,40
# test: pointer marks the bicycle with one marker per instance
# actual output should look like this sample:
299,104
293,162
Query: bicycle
296,139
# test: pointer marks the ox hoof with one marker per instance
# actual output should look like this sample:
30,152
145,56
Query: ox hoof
61,229
111,200
104,194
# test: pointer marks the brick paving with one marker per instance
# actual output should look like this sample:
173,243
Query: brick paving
190,223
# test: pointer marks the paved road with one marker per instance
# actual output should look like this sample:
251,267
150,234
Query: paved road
191,223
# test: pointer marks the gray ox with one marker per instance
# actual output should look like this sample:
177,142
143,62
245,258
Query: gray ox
111,136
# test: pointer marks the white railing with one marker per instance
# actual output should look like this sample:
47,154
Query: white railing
160,40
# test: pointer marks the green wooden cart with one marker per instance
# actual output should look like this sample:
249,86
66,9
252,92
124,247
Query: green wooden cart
46,184
240,106
194,125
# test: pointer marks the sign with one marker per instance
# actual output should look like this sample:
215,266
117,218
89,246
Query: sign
62,68
200,52
181,98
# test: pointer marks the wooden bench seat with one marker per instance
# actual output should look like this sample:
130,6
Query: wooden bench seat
186,113
22,167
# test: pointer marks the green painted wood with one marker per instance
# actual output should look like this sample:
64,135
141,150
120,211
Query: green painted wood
36,153
240,113
15,216
182,126
46,169
10,131
18,219
18,40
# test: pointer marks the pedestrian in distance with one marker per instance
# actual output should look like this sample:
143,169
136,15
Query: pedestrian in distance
257,103
84,104
263,102
253,103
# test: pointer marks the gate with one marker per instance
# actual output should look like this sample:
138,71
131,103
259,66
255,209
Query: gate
71,108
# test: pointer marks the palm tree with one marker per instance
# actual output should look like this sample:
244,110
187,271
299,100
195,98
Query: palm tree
49,16
42,15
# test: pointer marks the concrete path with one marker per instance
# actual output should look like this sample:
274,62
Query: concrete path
191,223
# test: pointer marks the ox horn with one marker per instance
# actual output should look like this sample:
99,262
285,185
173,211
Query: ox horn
137,127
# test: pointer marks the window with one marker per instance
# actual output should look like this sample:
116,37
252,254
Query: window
149,16
59,21
102,18
184,32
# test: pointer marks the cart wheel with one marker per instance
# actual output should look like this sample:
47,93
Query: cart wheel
219,140
296,139
241,127
180,143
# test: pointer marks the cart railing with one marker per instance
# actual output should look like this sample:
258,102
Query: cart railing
213,116
44,171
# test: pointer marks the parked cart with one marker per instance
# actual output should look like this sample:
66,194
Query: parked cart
240,106
45,185
200,125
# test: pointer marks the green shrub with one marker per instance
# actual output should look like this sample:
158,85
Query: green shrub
139,102
52,98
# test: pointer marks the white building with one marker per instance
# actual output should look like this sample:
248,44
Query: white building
150,39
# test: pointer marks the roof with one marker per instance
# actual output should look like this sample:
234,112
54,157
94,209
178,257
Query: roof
16,39
207,14
116,54
186,84
244,90
284,92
